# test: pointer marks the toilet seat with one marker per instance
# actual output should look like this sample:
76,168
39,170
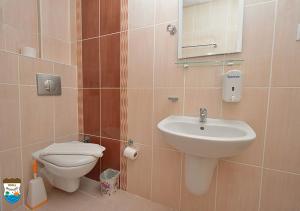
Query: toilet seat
68,160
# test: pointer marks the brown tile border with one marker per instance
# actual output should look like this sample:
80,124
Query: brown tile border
110,16
90,18
112,71
91,111
110,61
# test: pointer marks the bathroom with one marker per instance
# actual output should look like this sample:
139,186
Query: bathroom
126,84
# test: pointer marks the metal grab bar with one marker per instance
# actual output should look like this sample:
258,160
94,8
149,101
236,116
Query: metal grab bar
214,45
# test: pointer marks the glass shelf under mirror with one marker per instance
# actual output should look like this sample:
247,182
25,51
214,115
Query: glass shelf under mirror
193,63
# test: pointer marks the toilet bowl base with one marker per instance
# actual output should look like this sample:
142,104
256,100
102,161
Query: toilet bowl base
66,184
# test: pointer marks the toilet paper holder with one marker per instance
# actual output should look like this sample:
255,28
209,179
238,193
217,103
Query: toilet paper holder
129,143
130,152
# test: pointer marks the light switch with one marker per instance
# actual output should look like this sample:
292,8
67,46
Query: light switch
298,33
48,85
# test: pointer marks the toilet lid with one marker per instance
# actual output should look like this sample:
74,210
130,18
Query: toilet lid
69,160
70,154
73,148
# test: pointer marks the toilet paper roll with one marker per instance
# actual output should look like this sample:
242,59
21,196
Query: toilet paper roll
130,153
28,51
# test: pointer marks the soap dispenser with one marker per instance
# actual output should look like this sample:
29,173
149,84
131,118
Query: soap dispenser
232,86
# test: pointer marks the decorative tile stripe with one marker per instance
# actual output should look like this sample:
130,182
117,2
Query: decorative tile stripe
80,111
78,20
123,167
124,15
123,105
124,59
79,65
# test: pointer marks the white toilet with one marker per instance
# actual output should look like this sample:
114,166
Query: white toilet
63,164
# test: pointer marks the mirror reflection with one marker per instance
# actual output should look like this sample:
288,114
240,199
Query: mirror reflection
210,27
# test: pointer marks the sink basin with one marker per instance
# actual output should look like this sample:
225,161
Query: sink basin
214,139
203,144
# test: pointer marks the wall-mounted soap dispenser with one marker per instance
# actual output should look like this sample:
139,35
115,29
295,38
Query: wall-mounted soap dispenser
232,86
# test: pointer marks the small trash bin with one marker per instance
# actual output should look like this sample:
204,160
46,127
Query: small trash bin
109,181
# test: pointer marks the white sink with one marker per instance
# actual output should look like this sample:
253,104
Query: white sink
214,139
204,143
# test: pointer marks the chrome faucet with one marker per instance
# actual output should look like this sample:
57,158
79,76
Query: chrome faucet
203,115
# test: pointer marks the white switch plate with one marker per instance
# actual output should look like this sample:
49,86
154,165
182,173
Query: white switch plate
298,33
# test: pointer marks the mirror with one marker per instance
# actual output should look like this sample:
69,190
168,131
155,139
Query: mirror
210,27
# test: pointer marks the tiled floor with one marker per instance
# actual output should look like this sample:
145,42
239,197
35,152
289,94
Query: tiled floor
88,198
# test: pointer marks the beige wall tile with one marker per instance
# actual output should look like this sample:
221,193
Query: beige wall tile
56,50
166,177
20,14
37,116
20,24
74,53
166,11
68,75
166,72
9,68
197,98
192,202
164,108
286,62
28,16
56,19
56,28
16,38
282,145
280,191
139,172
66,109
139,115
204,76
73,21
11,11
2,38
257,52
238,187
9,113
140,58
140,13
252,109
29,67
11,168
68,138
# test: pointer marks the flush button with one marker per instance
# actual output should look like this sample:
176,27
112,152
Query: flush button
48,85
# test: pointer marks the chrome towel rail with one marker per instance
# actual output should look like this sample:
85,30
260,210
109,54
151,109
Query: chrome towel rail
214,45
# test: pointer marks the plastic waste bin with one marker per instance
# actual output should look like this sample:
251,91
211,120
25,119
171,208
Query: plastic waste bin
109,181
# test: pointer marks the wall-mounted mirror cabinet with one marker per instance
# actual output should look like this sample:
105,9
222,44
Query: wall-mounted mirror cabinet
210,27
